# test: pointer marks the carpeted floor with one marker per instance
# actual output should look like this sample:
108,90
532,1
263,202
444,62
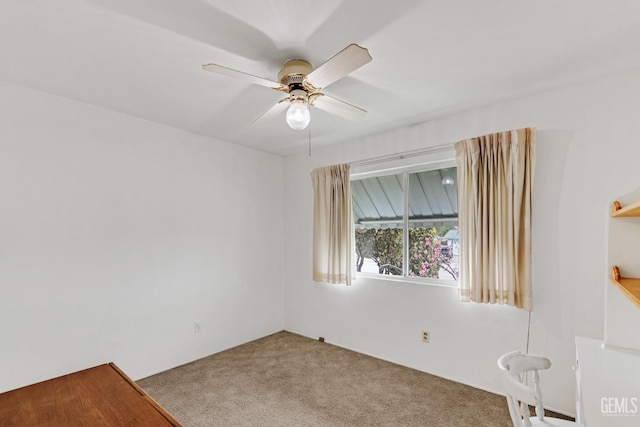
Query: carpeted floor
289,380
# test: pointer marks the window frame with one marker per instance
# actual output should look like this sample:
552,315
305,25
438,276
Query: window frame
409,167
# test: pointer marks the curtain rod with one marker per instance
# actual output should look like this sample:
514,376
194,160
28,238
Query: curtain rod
403,155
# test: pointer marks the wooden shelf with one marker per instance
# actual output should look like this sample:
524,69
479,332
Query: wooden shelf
623,246
630,287
628,211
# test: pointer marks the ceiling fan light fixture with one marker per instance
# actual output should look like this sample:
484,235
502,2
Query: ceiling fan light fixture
448,180
298,116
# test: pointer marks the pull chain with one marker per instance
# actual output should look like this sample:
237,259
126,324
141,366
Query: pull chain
309,127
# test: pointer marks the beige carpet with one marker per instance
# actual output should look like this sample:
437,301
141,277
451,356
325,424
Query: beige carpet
288,380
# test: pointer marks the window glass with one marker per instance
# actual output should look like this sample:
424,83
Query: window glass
433,224
378,206
406,224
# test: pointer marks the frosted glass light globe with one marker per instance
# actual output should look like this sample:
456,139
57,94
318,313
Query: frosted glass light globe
298,116
447,180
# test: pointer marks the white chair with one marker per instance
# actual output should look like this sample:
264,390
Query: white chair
514,369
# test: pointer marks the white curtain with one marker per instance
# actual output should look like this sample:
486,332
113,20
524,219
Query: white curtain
332,225
495,188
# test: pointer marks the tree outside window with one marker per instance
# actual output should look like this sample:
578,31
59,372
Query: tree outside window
430,255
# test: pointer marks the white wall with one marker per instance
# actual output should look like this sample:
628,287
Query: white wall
117,233
588,146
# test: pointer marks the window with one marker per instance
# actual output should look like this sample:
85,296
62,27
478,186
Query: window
406,222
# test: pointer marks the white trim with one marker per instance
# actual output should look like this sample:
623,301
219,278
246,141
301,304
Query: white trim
406,154
442,158
447,283
405,223
417,167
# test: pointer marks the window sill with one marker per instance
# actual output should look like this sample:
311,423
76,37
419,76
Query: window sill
408,279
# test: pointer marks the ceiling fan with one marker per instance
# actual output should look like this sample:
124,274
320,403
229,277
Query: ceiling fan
303,85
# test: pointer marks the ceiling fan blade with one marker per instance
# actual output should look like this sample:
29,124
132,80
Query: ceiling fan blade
342,63
219,69
275,109
337,107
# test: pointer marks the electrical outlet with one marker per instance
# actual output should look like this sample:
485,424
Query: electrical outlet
426,335
197,327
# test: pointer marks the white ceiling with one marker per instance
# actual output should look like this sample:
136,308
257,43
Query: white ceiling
144,57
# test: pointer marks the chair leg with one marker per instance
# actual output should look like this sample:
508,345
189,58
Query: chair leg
525,412
536,389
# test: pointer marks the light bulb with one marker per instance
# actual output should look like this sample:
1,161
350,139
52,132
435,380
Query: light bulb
298,116
447,180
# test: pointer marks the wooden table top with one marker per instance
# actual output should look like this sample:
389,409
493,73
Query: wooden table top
98,396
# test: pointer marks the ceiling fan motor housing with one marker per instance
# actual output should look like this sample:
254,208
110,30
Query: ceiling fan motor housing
294,71
292,75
